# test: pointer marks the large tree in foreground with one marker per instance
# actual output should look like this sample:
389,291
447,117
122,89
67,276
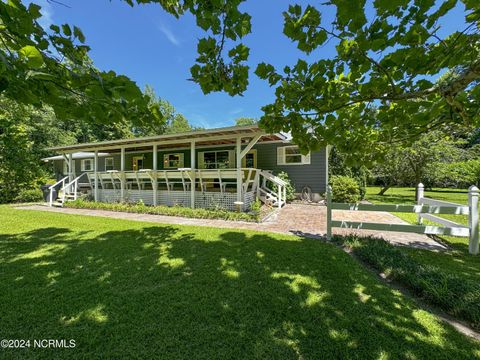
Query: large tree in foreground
51,67
380,87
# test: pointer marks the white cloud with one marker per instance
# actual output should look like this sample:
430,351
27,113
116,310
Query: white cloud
169,34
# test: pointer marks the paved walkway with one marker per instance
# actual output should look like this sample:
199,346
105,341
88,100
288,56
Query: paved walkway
308,220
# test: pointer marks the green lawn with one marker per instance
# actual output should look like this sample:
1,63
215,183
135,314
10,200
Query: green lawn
457,260
136,290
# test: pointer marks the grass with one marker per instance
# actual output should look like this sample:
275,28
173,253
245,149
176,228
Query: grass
453,293
457,260
126,289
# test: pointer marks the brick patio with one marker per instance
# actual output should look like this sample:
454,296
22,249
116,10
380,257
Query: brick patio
308,220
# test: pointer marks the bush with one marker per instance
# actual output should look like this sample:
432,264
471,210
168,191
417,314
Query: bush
141,208
454,294
345,189
457,174
29,195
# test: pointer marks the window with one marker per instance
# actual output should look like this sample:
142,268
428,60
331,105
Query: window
109,164
87,165
138,163
173,161
222,159
291,155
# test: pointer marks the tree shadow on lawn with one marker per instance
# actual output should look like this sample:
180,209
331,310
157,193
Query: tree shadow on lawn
165,292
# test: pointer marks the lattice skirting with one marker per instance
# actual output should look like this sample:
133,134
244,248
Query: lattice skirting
207,200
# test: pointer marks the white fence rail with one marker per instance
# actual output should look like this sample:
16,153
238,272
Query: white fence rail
426,209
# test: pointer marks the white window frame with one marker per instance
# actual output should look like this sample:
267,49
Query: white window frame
282,156
112,165
166,161
83,164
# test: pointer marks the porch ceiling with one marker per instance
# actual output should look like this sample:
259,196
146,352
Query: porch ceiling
220,136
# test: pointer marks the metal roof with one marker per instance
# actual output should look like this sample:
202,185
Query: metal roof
220,136
75,156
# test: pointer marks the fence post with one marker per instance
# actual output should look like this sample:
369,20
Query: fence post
420,192
329,213
473,219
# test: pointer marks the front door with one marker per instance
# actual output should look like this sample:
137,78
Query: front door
250,159
138,163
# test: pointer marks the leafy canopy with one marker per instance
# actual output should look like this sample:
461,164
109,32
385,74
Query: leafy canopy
51,67
379,87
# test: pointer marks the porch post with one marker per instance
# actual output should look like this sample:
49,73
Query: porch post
239,169
192,167
155,183
122,174
95,170
70,167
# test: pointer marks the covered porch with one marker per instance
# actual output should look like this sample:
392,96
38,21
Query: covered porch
175,170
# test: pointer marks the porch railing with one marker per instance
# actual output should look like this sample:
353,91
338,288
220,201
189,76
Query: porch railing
50,189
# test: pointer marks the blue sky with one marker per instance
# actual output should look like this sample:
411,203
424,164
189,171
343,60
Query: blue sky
152,47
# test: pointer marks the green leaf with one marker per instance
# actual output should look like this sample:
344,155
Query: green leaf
78,34
33,56
66,30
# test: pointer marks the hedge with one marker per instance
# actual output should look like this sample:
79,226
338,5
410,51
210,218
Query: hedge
457,296
140,208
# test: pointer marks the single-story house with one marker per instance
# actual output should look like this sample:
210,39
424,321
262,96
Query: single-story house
225,167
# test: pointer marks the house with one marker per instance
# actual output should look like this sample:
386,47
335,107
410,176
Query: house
225,167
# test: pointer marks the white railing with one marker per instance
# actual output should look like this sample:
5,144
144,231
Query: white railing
262,190
67,189
50,189
426,208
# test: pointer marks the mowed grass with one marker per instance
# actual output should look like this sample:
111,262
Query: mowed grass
125,290
457,260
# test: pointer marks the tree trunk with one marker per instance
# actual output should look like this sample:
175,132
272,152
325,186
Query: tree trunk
384,189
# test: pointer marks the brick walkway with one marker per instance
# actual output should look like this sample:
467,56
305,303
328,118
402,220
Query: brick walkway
308,220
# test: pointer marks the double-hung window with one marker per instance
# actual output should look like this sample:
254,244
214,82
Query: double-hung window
291,155
220,159
87,165
109,165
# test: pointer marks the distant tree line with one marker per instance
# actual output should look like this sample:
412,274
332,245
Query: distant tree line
26,131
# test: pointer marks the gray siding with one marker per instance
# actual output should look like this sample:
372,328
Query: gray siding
313,175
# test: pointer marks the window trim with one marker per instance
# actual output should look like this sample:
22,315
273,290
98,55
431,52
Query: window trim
105,163
82,165
181,161
282,157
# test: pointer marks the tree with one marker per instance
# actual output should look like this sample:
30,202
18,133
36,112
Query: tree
413,164
241,121
388,55
51,67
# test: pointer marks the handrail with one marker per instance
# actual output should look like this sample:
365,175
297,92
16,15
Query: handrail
74,181
58,182
272,178
50,195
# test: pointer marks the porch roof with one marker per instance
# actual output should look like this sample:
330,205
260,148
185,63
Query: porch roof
218,136
76,156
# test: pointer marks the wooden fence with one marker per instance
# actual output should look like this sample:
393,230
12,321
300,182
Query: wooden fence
426,208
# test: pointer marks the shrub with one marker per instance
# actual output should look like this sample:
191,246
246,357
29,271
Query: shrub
454,294
29,195
345,189
456,174
141,208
